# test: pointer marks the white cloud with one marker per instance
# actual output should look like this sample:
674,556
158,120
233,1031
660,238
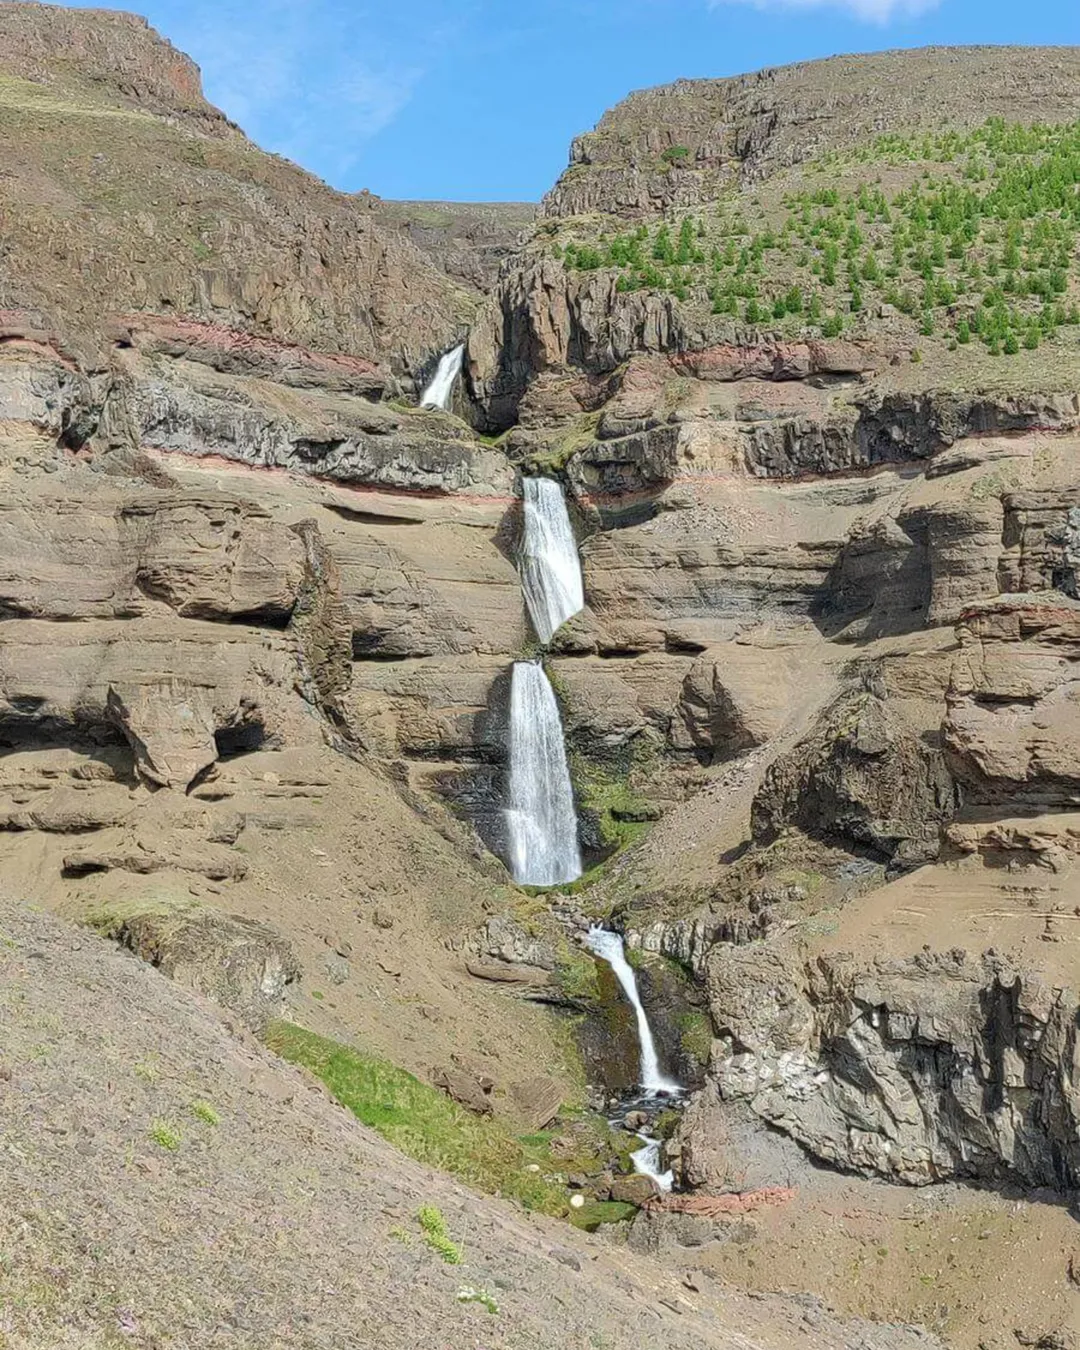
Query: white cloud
869,11
374,98
289,72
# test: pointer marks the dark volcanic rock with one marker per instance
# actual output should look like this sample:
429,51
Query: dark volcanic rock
862,778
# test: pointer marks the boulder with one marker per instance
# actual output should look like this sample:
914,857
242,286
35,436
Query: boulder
504,939
537,1101
240,963
635,1189
657,1232
500,972
861,778
169,724
462,1087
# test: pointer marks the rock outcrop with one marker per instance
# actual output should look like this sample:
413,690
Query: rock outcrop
921,1068
239,963
738,131
862,778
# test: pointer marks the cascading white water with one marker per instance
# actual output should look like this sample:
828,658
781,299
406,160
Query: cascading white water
550,565
541,821
440,390
609,946
647,1161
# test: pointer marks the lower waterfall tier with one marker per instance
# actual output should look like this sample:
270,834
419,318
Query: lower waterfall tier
541,823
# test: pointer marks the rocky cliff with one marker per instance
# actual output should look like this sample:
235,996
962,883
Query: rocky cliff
145,198
257,609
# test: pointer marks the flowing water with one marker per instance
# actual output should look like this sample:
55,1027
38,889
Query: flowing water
609,947
440,390
647,1161
541,822
550,566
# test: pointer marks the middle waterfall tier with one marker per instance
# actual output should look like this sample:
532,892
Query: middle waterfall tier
550,566
541,823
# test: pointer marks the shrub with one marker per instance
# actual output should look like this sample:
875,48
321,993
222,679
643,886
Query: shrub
676,154
468,1294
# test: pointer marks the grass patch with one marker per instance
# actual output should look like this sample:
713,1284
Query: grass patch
109,919
578,975
205,1112
420,1120
437,1236
166,1135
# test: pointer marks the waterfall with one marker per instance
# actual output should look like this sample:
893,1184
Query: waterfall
609,946
440,390
550,566
540,818
647,1161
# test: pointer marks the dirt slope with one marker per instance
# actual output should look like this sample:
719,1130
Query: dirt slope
131,1218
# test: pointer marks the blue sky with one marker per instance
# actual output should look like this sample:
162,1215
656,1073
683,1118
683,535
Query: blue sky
478,99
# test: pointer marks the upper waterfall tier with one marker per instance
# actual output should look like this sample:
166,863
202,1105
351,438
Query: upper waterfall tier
550,566
541,822
440,390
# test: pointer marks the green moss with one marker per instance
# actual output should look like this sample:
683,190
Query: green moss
578,976
581,433
622,815
666,1123
436,1235
590,1217
695,1035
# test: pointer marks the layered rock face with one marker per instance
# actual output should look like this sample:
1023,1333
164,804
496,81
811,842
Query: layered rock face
741,130
468,242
